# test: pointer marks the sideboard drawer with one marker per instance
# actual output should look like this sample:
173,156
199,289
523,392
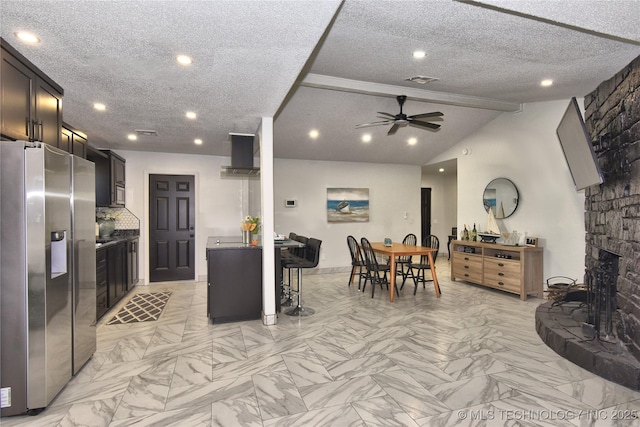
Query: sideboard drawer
467,267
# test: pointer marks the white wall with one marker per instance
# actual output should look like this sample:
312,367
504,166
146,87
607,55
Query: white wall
219,202
393,189
524,148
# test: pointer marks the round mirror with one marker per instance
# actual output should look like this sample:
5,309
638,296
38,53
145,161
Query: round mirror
501,196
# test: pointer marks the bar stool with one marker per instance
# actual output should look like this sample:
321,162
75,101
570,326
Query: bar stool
288,257
310,260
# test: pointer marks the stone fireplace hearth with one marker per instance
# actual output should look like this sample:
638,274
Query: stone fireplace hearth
605,338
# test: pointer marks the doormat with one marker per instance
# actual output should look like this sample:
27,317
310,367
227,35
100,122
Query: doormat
143,307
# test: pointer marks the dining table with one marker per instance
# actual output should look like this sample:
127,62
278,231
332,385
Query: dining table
398,249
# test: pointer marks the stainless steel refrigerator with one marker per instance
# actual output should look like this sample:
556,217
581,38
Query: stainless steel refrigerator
47,272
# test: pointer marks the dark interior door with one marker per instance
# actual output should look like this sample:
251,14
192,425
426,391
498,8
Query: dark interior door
425,214
171,228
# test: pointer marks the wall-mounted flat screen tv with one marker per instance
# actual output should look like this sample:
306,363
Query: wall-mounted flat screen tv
577,148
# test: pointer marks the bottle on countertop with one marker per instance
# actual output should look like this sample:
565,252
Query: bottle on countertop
474,233
465,233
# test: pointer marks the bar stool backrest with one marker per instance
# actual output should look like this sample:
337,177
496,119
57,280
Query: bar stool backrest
312,254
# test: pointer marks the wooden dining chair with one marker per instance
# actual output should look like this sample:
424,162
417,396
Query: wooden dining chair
403,262
357,262
376,272
421,267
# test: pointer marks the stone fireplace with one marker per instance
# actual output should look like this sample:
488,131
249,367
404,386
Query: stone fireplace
612,116
602,333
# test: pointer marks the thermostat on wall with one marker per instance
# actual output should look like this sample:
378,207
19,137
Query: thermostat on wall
290,203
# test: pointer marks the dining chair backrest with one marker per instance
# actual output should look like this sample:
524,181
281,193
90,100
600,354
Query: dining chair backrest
369,255
409,239
354,250
431,241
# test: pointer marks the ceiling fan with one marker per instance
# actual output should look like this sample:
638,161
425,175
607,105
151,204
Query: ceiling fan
402,120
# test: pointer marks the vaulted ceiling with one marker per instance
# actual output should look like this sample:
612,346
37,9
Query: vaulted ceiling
326,65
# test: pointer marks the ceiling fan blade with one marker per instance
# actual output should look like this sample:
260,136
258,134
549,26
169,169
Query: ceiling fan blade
427,115
387,114
393,129
426,125
382,122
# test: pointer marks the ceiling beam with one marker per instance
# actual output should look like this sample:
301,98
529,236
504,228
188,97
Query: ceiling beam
487,5
379,89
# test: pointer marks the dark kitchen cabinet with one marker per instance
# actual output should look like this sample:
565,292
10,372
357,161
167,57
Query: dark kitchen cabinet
117,170
132,263
234,288
117,179
73,141
116,271
102,304
110,177
31,102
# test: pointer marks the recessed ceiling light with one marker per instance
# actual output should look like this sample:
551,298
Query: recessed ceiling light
314,134
191,115
132,137
412,141
99,106
27,37
184,60
366,137
197,141
441,170
419,54
546,83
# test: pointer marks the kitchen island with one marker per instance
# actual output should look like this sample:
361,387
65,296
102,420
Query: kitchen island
234,280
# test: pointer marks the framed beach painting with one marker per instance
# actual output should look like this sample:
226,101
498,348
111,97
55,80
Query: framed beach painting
347,204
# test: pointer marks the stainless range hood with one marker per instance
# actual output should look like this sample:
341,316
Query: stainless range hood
241,157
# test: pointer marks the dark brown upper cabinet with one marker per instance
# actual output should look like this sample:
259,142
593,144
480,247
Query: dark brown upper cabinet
31,102
110,177
73,141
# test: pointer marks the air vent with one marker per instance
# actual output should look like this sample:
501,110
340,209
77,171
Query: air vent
143,132
423,80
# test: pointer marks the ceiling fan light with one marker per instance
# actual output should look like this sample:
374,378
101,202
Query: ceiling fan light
366,137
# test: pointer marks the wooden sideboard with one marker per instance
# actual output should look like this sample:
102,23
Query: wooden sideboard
515,269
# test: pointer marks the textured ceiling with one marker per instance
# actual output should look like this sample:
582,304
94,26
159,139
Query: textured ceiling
268,58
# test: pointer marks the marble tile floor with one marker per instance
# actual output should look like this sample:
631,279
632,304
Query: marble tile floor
469,358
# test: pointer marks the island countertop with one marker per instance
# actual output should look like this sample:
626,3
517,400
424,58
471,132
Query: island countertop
228,242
